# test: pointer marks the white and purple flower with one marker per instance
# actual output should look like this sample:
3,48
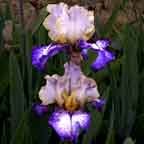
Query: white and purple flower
70,93
69,26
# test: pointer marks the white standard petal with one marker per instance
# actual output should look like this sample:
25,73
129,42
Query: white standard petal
55,23
49,22
57,9
47,93
88,91
73,72
69,25
92,92
81,22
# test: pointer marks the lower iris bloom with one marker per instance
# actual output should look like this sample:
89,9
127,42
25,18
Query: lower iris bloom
70,119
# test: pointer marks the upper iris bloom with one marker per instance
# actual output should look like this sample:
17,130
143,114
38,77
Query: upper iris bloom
69,29
69,24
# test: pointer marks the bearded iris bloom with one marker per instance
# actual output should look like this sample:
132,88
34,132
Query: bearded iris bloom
69,119
71,26
68,27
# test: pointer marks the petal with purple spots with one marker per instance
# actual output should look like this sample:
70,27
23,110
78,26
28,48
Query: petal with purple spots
80,122
68,126
82,44
84,54
61,122
99,104
103,58
39,109
41,54
102,43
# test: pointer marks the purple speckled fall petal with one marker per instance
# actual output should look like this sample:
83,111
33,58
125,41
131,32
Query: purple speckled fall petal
61,122
99,104
100,47
84,54
68,126
100,44
103,58
41,54
39,109
80,122
82,44
84,47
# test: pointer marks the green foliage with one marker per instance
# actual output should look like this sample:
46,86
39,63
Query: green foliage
42,16
17,99
110,135
4,74
96,121
129,79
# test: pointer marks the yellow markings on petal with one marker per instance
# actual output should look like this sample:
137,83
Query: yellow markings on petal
89,32
70,102
61,39
60,100
61,29
58,24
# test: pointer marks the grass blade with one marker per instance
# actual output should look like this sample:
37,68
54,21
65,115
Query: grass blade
17,100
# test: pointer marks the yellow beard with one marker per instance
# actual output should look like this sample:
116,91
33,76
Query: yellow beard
70,102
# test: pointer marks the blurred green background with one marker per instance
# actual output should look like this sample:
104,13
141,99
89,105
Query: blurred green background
121,83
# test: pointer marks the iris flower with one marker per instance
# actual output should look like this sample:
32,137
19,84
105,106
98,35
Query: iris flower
71,26
68,27
69,119
68,24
